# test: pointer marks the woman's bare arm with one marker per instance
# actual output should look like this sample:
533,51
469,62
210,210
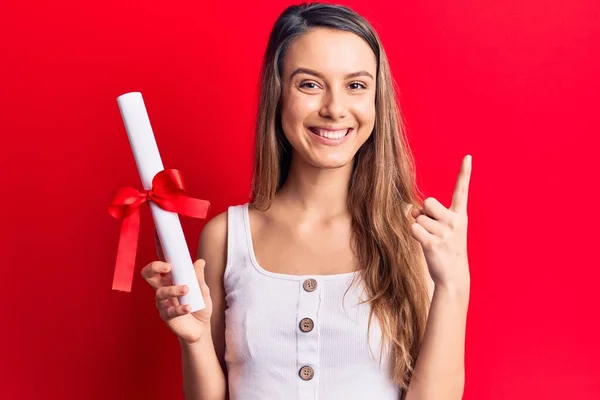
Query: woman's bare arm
203,365
440,370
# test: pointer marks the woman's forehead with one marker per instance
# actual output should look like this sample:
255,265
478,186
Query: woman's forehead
331,52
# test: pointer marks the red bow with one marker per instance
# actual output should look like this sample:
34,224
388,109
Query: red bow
169,193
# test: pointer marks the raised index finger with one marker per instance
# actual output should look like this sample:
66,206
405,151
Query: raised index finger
461,191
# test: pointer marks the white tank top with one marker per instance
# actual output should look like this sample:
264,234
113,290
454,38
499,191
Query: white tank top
297,336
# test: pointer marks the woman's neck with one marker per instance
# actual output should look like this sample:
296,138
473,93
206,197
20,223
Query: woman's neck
322,192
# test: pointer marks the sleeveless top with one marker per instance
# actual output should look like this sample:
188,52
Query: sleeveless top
297,336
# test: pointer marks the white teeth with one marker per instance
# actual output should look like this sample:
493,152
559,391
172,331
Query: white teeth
335,135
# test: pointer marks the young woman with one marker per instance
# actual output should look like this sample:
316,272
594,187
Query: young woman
332,283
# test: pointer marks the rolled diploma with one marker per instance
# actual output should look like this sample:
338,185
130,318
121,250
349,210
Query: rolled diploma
149,163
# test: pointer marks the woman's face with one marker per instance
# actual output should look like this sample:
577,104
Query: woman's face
328,96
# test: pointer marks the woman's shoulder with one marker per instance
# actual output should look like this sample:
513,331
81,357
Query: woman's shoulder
212,246
214,233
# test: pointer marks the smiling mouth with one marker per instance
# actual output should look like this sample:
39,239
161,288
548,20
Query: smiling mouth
330,135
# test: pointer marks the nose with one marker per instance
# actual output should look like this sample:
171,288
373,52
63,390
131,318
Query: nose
333,105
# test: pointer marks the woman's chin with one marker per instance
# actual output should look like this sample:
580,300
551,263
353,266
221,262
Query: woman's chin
331,162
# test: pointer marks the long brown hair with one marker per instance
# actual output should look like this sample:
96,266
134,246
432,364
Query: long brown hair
382,185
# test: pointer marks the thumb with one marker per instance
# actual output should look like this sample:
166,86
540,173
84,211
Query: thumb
199,265
415,211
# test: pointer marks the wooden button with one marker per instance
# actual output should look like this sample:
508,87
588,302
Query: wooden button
306,373
306,325
310,285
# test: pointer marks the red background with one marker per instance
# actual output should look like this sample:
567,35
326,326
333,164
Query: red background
516,84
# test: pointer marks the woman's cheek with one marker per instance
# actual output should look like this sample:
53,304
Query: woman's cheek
364,111
304,105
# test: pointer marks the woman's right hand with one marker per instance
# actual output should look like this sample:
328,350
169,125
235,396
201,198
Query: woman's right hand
189,327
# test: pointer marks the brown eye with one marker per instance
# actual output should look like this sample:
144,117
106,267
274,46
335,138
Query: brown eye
304,85
360,85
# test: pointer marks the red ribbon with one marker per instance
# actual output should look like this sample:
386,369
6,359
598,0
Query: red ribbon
169,193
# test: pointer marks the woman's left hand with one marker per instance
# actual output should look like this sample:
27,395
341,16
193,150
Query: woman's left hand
442,233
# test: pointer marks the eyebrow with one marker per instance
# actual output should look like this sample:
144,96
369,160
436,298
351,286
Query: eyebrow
319,75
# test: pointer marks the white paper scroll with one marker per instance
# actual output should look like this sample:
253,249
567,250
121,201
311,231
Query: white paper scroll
168,226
